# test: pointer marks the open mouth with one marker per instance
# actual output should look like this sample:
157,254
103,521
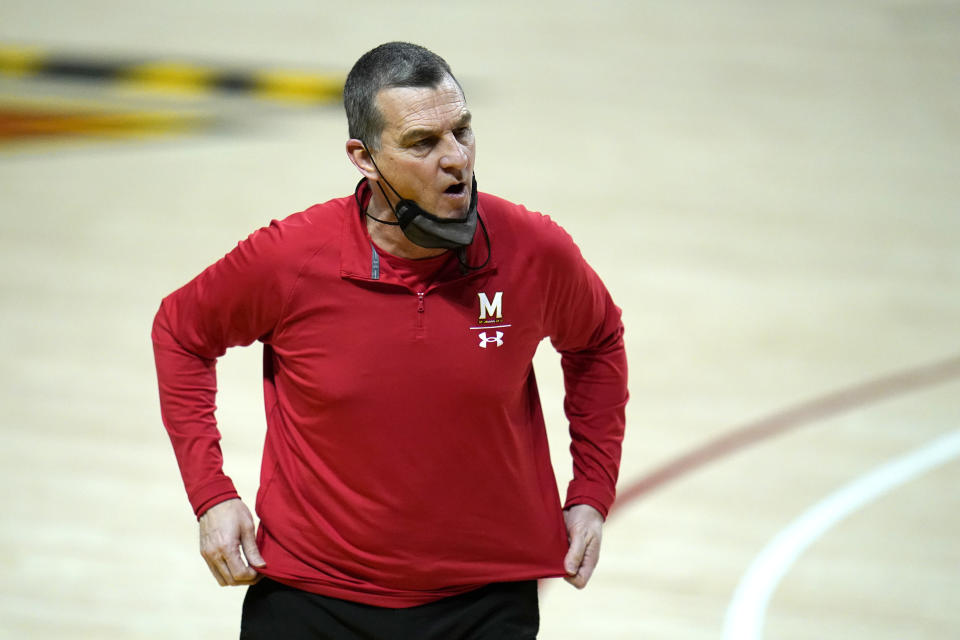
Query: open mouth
456,189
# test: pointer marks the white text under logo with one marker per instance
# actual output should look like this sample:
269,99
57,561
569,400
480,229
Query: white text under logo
497,339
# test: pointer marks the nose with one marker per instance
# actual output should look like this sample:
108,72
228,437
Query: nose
455,155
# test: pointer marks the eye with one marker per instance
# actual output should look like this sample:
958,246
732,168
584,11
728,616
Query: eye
463,133
424,143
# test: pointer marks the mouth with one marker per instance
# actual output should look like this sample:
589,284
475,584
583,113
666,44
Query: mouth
457,189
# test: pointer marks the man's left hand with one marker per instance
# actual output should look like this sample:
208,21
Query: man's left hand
584,530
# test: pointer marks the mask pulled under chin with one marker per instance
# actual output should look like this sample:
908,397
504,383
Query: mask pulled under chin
432,232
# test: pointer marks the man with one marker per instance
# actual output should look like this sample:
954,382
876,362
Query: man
406,486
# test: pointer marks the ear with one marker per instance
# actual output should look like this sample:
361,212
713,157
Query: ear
361,159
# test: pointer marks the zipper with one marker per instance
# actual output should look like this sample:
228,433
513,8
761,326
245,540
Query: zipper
420,296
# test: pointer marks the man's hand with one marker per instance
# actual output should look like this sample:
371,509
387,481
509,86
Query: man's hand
584,530
224,529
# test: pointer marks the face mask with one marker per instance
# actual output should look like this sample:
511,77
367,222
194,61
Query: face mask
425,229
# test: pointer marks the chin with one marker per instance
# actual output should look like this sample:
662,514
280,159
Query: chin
452,211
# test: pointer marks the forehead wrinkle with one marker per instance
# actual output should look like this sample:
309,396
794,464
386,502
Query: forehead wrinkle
427,110
415,129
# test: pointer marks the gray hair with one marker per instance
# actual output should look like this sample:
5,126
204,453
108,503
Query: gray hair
394,64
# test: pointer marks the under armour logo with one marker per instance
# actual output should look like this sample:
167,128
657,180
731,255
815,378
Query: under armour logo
498,338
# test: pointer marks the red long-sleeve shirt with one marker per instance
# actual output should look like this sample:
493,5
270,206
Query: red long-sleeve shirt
406,456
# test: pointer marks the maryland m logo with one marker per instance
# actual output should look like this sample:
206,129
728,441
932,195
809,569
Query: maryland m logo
492,309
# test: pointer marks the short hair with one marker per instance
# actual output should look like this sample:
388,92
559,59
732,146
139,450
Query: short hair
394,64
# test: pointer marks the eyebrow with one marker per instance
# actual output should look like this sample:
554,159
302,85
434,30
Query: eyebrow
421,132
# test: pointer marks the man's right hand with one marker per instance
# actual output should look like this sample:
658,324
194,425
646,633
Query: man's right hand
225,528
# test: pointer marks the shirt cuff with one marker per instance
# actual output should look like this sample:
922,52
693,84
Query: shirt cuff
213,494
594,494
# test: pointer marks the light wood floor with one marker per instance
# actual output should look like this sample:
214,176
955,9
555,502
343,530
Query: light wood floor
770,190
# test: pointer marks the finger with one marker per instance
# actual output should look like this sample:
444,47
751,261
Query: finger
248,541
227,566
239,572
577,581
574,557
213,559
588,563
216,553
216,572
587,566
581,578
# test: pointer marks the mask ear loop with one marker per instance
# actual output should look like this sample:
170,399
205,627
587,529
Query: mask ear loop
385,197
462,252
356,196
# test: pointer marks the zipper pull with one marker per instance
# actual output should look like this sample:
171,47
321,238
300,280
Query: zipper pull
420,301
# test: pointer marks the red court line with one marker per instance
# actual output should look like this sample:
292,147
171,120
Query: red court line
803,414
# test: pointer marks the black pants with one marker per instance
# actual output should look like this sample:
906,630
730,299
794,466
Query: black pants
500,611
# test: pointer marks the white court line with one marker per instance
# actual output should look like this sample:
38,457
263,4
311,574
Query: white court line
748,607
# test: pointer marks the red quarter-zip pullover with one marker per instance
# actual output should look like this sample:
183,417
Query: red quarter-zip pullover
406,456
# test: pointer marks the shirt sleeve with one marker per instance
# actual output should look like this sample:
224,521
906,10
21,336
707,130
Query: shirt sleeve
585,327
233,302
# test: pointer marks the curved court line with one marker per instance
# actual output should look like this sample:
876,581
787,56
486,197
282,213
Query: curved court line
805,413
747,610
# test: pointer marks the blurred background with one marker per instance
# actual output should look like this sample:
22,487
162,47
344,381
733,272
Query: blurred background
771,191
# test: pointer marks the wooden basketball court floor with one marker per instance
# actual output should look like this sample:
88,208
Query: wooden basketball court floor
770,190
